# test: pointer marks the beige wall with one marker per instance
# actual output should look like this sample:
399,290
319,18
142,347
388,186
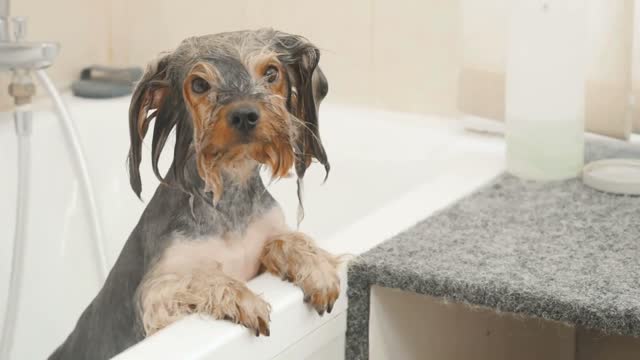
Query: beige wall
481,89
79,25
609,67
610,30
401,55
484,34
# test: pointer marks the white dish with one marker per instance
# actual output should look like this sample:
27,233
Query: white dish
618,176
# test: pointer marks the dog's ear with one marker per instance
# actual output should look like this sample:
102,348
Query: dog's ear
147,102
307,87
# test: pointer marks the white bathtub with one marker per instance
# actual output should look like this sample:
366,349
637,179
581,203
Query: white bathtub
389,170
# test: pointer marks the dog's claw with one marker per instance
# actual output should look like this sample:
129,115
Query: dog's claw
251,311
322,300
263,327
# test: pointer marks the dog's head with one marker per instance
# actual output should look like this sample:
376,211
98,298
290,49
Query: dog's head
235,99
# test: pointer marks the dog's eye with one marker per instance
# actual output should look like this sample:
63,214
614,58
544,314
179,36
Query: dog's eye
199,85
271,74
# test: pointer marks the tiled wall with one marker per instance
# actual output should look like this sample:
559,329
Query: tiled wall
609,62
400,55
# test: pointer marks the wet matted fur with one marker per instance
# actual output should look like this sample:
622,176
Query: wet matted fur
237,101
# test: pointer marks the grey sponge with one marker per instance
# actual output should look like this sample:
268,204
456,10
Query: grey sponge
100,82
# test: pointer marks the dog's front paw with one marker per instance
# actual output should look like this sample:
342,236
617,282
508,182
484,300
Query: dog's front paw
295,258
321,286
166,298
242,306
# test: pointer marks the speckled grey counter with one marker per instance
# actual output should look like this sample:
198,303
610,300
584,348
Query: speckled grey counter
559,251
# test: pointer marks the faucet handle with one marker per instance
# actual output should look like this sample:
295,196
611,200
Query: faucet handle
19,27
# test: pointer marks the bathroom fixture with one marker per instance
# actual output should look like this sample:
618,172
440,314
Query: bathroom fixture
22,58
25,55
21,55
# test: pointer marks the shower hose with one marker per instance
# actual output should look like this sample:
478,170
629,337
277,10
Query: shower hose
23,124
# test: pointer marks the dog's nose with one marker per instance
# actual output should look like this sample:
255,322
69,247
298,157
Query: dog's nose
244,118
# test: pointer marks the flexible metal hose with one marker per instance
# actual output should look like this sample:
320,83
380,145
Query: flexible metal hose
22,118
80,164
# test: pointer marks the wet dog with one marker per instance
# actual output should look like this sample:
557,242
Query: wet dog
237,102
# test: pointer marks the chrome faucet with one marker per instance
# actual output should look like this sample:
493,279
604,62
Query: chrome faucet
18,54
22,57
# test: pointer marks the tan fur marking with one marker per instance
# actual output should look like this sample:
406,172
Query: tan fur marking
200,105
259,69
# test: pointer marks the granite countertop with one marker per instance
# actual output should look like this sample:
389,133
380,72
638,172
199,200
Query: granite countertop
557,250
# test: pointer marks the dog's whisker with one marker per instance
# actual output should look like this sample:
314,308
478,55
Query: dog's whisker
304,125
